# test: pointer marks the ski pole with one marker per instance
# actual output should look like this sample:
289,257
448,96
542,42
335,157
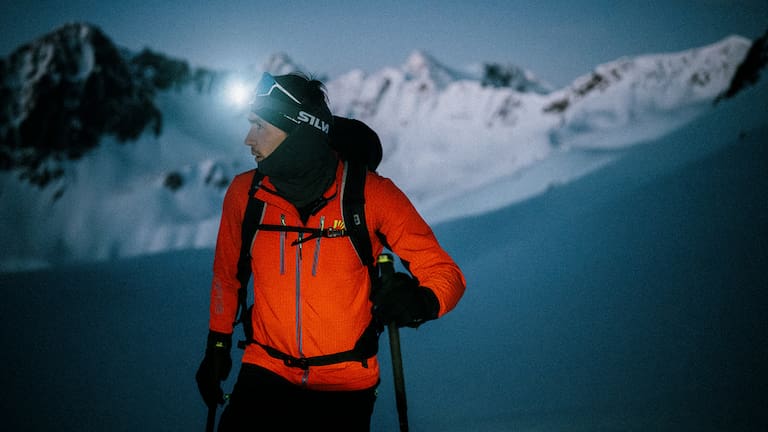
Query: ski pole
211,421
387,266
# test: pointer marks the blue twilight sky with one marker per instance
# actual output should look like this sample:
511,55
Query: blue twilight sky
558,40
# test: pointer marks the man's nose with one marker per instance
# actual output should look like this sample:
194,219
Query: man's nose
248,141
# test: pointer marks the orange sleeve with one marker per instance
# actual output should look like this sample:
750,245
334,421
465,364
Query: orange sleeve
411,238
223,307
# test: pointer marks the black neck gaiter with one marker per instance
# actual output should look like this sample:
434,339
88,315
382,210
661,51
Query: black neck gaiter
302,167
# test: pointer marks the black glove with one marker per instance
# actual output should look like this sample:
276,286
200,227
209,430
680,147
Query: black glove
401,300
214,368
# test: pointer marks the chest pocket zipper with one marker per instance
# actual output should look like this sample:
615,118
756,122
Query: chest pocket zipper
317,247
282,245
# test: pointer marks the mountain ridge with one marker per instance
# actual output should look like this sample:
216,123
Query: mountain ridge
490,136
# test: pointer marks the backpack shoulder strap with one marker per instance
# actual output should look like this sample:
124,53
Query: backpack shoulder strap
353,207
253,214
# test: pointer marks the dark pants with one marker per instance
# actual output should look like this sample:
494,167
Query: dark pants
262,400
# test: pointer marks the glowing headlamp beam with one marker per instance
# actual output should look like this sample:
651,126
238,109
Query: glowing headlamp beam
238,93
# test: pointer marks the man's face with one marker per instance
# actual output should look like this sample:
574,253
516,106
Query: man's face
263,138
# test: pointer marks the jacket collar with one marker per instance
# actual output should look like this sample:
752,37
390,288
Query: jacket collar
267,192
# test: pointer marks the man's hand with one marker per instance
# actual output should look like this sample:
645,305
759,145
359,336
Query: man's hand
214,368
402,301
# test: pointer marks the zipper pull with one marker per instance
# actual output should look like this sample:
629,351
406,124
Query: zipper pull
301,243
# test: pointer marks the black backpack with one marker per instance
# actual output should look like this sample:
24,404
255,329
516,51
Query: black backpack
360,148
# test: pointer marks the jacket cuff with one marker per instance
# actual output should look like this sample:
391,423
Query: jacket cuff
429,307
431,303
219,340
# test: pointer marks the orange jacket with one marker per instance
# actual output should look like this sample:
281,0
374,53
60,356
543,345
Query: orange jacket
313,299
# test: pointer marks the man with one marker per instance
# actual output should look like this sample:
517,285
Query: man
313,300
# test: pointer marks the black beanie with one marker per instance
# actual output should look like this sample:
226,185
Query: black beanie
286,101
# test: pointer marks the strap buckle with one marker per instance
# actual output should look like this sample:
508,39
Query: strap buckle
301,363
333,233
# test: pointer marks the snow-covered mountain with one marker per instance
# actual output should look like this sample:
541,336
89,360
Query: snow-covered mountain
61,94
107,153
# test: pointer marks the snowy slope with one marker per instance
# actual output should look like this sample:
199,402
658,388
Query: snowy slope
498,145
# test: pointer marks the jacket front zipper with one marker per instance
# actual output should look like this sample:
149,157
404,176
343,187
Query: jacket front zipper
316,257
299,341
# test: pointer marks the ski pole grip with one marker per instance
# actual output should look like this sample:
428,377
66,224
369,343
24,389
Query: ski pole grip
386,264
